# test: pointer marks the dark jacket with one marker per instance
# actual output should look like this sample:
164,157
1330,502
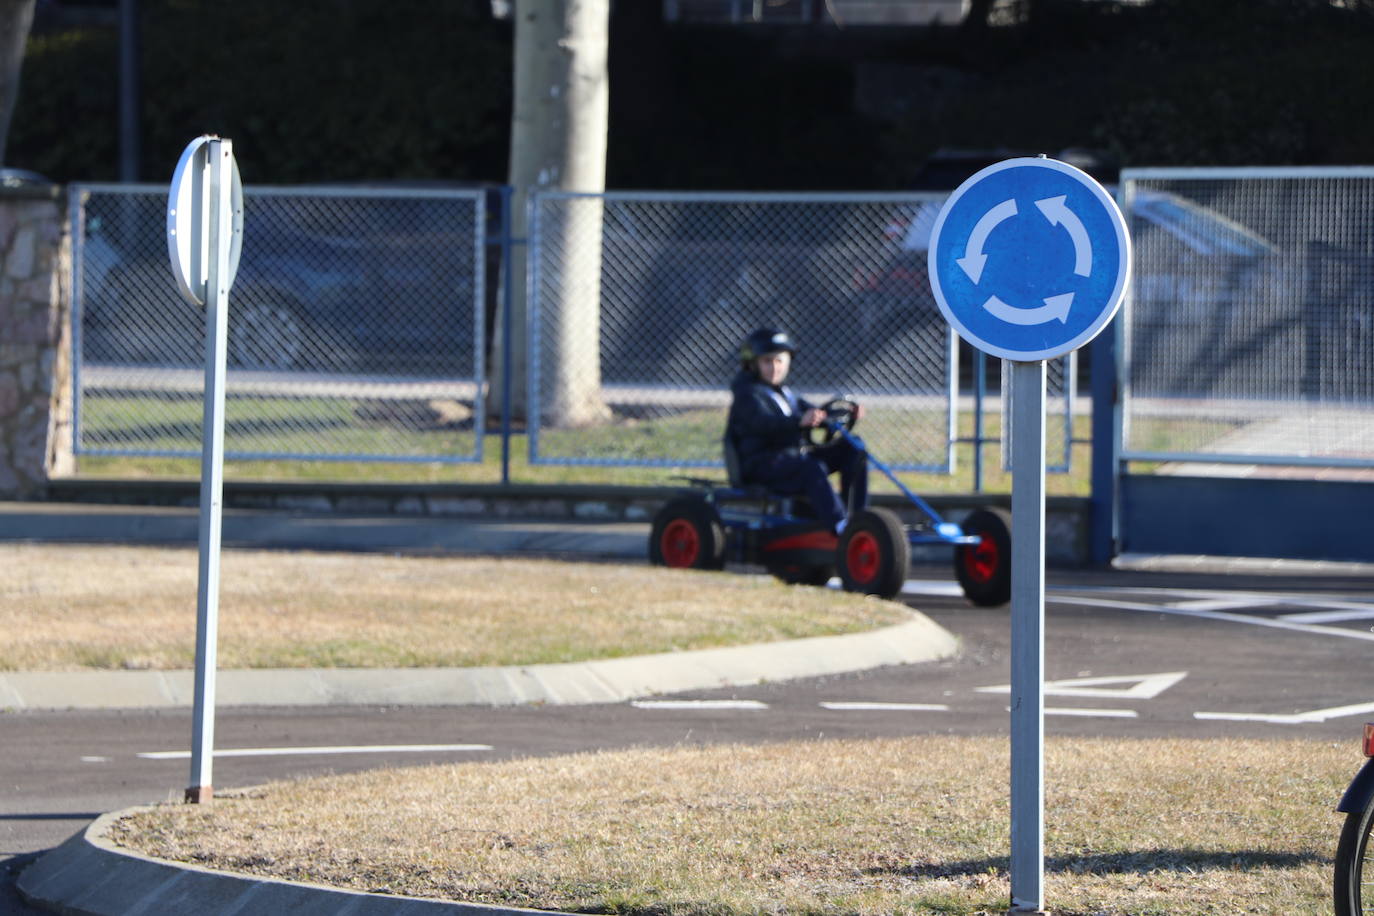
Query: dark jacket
760,425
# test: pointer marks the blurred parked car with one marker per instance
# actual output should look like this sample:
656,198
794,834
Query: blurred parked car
395,294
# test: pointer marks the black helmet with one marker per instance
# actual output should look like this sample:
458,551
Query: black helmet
764,341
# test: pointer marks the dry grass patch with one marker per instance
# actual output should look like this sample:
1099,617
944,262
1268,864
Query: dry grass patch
65,607
916,825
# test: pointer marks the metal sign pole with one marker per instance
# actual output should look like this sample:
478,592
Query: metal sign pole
219,164
1028,637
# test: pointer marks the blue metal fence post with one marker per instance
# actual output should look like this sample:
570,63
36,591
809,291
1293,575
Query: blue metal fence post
508,289
980,390
1106,445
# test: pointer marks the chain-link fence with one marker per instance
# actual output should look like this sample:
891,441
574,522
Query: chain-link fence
360,325
639,303
356,327
1250,327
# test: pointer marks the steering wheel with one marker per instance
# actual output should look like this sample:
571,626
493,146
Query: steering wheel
840,413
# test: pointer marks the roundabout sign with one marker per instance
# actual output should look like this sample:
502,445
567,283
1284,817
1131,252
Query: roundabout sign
1029,259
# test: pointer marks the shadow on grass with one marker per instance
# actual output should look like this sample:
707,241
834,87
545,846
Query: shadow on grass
1143,862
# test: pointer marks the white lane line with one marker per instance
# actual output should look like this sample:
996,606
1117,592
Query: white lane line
1095,713
1275,623
310,751
1224,604
1337,615
1299,718
886,707
698,704
927,587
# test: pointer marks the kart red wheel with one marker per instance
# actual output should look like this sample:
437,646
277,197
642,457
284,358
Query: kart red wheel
863,557
686,534
874,555
680,543
984,569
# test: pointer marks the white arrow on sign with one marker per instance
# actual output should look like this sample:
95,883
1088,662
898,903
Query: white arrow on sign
1054,307
1142,686
974,260
1057,211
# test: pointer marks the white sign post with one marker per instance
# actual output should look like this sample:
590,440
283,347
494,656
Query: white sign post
1029,259
204,238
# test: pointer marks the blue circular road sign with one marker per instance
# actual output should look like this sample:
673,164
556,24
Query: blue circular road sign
1029,259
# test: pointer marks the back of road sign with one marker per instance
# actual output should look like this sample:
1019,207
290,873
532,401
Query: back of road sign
189,233
1029,259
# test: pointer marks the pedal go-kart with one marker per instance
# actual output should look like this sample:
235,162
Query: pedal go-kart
711,525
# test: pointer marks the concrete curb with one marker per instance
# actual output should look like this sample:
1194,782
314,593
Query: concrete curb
613,680
90,876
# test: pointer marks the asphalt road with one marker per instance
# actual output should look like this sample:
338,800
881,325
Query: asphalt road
1127,654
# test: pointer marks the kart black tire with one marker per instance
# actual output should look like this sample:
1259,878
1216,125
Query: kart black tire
984,569
1353,855
803,575
687,534
874,555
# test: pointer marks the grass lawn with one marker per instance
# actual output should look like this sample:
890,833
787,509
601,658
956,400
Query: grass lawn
662,446
916,825
312,610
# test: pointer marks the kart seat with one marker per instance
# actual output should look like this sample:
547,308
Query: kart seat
732,469
784,504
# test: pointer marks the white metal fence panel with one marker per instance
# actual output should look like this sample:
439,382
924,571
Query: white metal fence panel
356,327
639,302
1249,333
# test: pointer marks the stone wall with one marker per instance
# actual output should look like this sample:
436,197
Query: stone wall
35,341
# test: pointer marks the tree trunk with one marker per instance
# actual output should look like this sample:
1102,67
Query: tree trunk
558,142
16,16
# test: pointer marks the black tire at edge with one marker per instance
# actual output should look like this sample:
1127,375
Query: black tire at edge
1350,853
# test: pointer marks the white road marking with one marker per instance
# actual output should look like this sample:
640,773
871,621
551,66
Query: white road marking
1275,623
698,704
95,759
1300,718
928,587
1339,613
886,707
1098,713
1143,686
310,751
1224,604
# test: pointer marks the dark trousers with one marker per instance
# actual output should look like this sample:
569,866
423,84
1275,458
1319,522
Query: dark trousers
808,474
